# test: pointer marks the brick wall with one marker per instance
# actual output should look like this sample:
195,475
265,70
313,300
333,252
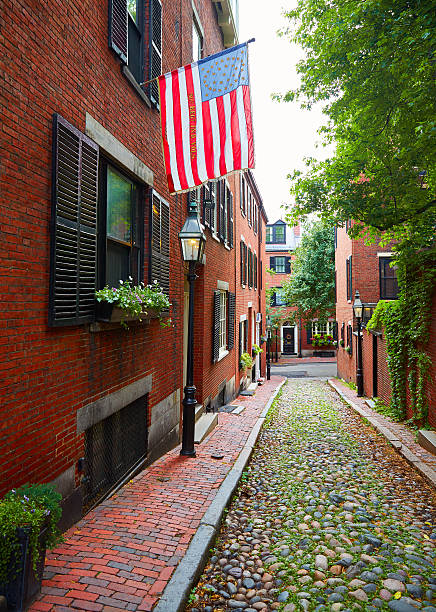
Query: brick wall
56,60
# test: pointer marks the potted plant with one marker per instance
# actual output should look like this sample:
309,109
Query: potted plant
28,525
246,362
256,350
132,303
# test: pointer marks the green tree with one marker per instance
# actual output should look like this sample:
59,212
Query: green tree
311,286
372,64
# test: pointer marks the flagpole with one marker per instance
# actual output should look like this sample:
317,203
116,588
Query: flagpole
155,78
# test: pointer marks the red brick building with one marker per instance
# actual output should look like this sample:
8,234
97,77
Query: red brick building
291,337
364,268
84,203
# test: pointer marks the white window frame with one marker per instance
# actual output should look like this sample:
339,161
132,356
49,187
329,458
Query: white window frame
284,265
323,328
223,324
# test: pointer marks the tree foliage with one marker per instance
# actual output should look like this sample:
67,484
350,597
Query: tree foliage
372,64
311,286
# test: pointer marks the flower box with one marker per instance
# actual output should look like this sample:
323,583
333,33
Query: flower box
111,313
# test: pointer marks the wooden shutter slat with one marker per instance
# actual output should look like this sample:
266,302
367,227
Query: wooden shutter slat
216,326
231,306
160,243
155,49
73,226
118,24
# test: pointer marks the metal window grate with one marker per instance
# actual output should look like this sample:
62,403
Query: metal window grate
113,447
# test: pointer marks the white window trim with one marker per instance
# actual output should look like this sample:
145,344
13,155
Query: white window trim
330,327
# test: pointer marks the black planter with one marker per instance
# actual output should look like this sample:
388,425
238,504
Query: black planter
111,313
24,583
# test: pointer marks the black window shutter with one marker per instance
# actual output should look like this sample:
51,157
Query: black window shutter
241,244
347,274
309,333
212,210
288,265
155,49
351,277
160,243
272,263
216,326
335,330
261,276
73,226
245,264
255,270
231,307
206,195
118,23
230,213
273,299
221,196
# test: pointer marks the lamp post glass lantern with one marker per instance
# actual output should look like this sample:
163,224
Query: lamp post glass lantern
358,310
192,240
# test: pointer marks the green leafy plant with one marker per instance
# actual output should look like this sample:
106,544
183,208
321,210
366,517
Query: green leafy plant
137,300
348,349
30,507
341,342
246,362
256,349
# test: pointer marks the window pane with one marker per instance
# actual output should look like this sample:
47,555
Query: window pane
280,265
280,233
268,234
117,263
119,206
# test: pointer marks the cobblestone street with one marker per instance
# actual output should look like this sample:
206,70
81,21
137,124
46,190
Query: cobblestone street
327,517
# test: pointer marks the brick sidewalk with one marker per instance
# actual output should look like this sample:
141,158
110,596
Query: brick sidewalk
403,438
123,553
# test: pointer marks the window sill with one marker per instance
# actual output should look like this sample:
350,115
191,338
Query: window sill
222,355
134,83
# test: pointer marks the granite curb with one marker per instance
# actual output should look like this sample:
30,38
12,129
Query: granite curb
177,591
426,471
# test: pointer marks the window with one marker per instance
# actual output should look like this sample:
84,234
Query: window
86,254
255,270
388,279
278,298
349,267
326,328
197,41
223,322
244,263
281,265
224,305
350,338
128,38
160,242
119,203
276,234
243,337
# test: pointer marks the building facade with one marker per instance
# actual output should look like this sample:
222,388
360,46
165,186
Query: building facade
290,337
85,204
366,268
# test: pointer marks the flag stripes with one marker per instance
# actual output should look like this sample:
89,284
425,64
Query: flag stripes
205,136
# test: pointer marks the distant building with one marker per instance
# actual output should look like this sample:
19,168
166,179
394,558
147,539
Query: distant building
292,337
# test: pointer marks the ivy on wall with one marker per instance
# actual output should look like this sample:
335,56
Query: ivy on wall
406,324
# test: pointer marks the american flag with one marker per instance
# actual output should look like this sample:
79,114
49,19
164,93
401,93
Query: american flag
206,121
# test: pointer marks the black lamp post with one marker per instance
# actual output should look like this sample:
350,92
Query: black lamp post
193,241
358,309
268,347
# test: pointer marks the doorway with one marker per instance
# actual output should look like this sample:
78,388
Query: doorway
288,340
374,366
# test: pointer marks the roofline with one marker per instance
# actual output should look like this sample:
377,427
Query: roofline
255,188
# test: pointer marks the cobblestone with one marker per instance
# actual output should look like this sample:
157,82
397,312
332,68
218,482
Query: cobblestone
354,518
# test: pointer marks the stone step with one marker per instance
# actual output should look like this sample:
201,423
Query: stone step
427,439
199,411
205,424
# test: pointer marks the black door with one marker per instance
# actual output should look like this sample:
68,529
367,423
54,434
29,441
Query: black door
288,340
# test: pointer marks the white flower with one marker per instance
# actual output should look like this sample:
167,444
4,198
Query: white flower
121,282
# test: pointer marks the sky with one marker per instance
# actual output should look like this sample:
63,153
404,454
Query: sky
283,133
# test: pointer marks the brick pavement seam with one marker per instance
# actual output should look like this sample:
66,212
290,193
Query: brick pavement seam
426,471
177,591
